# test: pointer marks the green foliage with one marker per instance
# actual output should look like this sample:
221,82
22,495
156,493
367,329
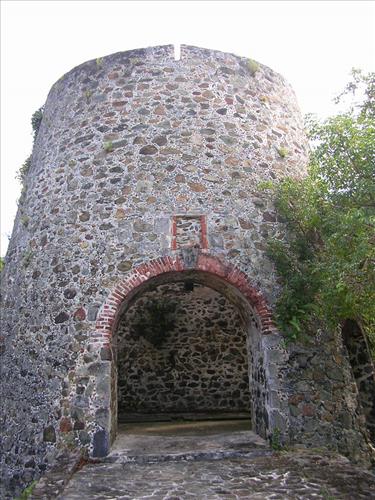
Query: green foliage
36,120
327,266
275,440
155,321
265,185
2,263
99,62
296,301
27,492
25,219
22,172
252,66
283,152
21,176
364,85
108,147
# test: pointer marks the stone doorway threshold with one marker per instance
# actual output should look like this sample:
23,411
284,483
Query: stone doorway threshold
211,460
186,440
181,416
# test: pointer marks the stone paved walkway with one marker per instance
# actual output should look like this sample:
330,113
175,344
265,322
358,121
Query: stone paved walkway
207,464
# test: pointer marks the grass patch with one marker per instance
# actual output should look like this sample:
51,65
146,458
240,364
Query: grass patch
26,493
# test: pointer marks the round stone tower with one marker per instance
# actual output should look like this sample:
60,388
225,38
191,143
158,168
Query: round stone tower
144,180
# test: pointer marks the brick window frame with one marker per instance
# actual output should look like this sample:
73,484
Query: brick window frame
203,225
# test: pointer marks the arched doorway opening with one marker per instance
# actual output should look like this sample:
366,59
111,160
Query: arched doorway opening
182,350
252,384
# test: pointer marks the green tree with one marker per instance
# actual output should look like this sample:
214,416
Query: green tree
327,265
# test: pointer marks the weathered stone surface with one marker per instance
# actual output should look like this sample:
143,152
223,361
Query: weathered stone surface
61,317
197,187
70,293
190,371
65,425
148,150
124,266
301,475
142,227
49,434
100,444
84,217
160,140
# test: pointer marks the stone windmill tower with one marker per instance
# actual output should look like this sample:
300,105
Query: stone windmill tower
144,189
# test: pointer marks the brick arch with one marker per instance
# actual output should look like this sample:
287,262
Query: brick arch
153,268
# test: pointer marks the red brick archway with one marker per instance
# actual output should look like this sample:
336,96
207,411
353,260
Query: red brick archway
207,263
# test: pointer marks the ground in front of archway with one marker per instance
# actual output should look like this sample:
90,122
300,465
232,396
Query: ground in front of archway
213,460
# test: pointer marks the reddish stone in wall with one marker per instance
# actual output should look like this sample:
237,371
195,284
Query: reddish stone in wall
80,314
65,424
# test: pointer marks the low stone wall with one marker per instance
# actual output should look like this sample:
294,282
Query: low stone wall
324,405
202,364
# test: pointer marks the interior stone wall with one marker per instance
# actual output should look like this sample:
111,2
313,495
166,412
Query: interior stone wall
202,366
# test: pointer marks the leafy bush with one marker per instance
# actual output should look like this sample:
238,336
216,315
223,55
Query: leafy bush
252,66
36,120
327,264
22,172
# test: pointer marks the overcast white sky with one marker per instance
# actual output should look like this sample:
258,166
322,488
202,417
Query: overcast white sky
313,44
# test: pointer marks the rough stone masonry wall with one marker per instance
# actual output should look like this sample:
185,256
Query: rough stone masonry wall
324,405
202,366
363,370
126,143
